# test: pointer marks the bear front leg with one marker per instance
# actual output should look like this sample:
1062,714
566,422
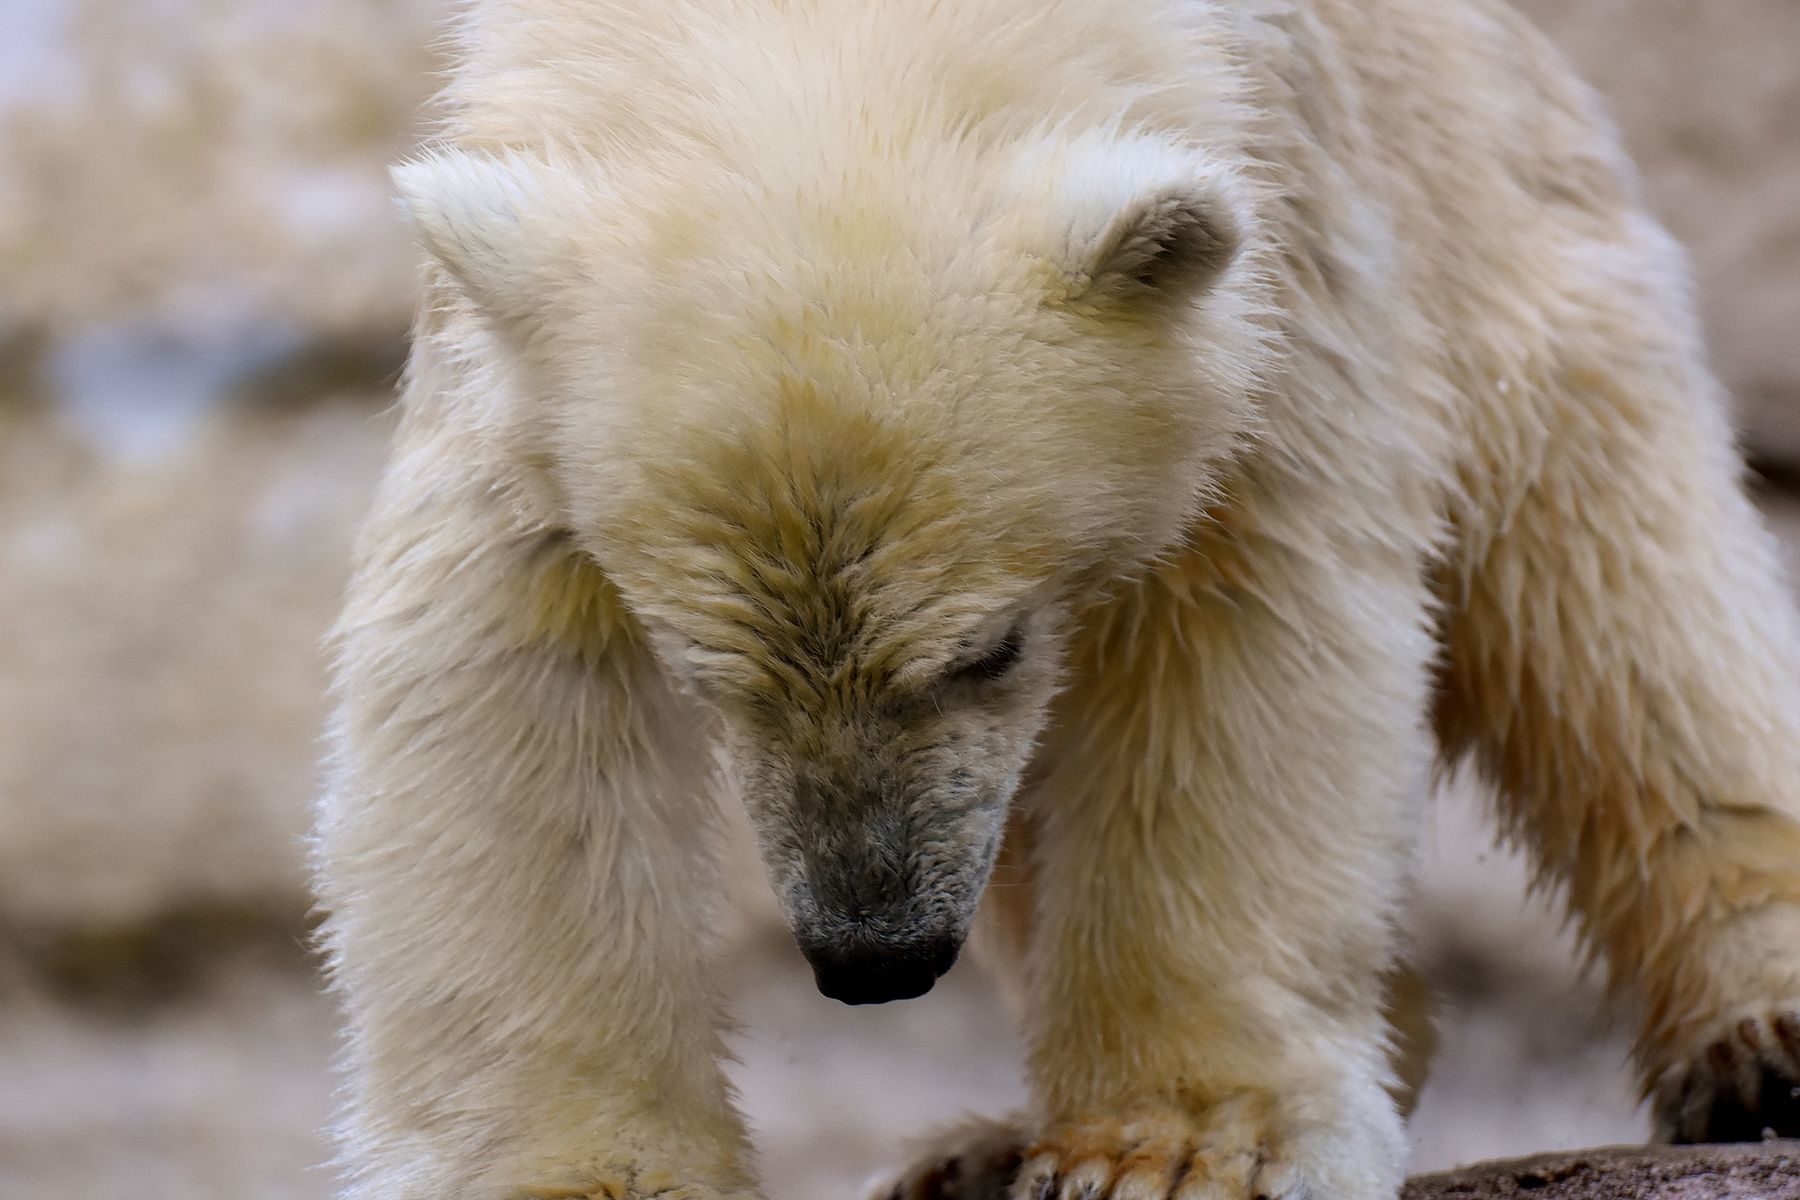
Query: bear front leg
1623,663
512,855
1222,841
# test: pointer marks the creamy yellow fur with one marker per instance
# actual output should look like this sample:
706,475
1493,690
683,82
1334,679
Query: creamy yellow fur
780,352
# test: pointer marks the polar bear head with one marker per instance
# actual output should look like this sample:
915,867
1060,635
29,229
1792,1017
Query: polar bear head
855,436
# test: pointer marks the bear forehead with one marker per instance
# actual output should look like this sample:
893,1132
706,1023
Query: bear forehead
800,527
824,544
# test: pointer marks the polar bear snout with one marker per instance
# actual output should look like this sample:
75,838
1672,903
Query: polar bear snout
874,933
878,872
873,970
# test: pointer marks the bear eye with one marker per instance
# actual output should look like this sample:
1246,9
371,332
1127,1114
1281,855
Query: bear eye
996,662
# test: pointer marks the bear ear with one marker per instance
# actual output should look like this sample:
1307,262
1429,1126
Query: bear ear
1164,247
494,222
1149,223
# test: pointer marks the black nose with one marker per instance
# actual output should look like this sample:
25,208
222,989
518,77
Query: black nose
876,972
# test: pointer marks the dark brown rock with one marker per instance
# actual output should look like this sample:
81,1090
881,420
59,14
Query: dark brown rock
1754,1171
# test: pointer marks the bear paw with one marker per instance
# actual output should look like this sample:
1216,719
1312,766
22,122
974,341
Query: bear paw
1743,1086
1244,1145
1152,1157
977,1160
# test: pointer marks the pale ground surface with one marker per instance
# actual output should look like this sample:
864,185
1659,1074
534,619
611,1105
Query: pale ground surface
191,204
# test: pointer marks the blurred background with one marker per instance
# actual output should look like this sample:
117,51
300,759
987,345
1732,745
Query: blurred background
204,294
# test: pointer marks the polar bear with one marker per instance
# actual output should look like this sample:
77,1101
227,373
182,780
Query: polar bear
1155,430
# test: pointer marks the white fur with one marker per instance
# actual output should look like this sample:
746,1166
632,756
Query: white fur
758,322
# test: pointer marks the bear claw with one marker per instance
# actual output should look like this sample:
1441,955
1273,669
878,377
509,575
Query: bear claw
1744,1087
1151,1159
